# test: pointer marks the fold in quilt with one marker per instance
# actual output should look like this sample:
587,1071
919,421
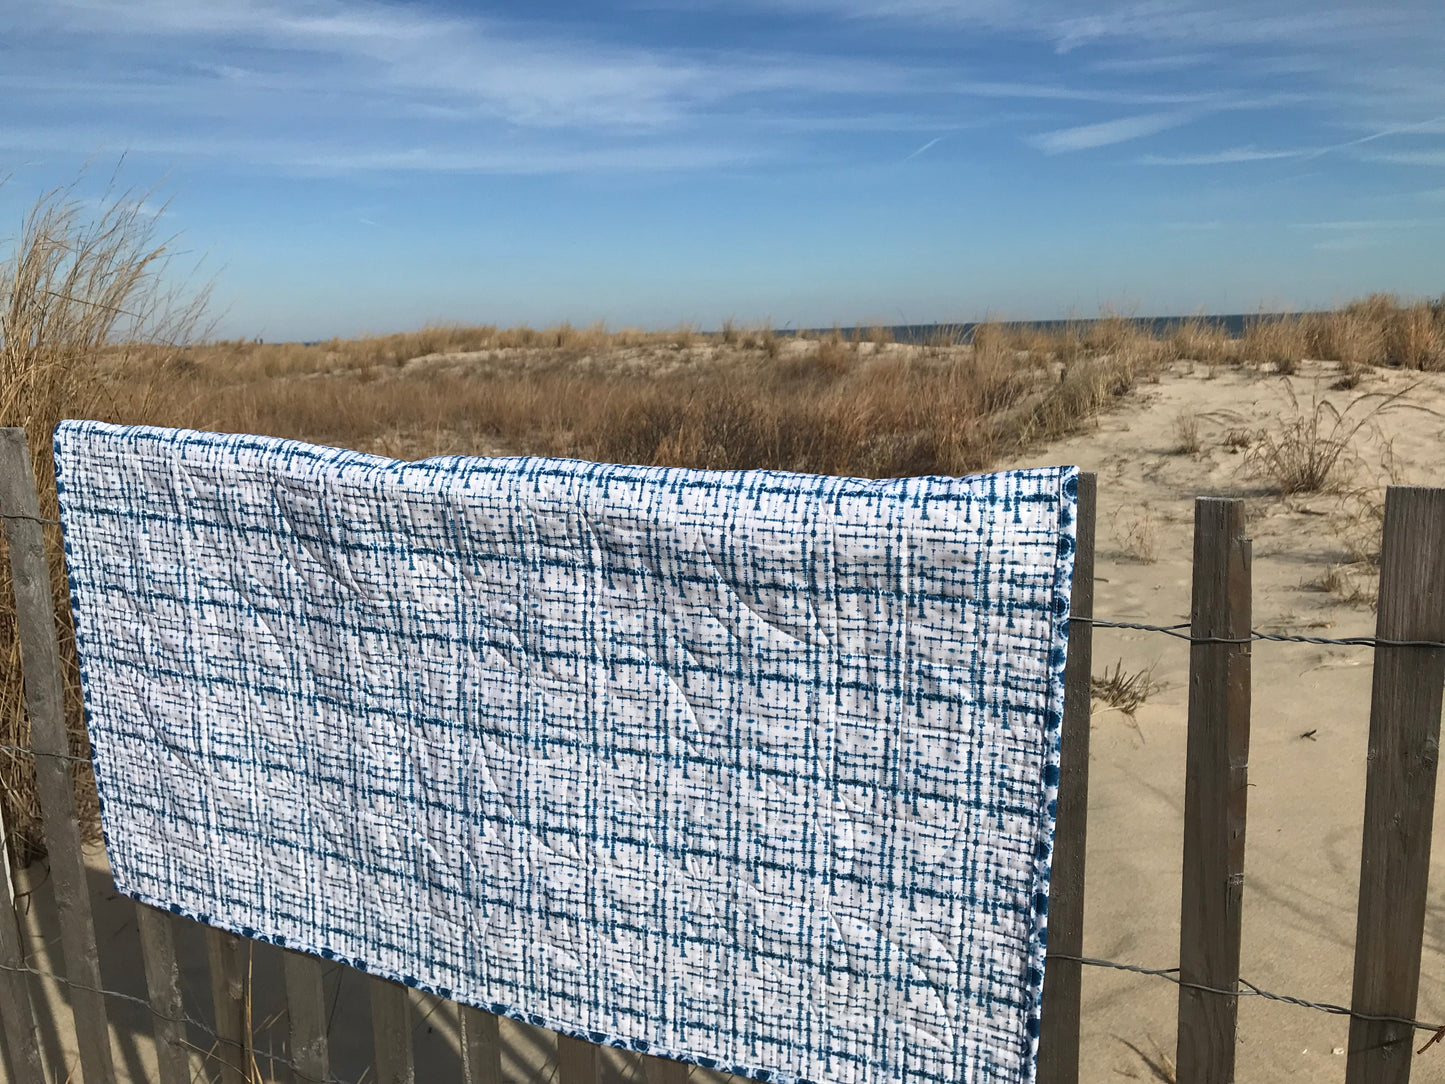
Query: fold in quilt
750,769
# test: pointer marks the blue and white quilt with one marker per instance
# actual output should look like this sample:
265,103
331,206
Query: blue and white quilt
750,769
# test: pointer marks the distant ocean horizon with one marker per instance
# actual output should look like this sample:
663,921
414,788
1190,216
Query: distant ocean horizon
1233,324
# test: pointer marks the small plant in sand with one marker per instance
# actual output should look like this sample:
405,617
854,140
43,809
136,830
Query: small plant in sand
1139,539
1187,440
1158,1065
1314,450
1354,586
1123,689
1350,378
1360,525
1237,438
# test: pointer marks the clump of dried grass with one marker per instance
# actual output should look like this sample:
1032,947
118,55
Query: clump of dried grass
1196,339
1139,538
1313,450
1187,439
1123,689
1350,336
1381,330
77,293
1414,337
1280,341
824,405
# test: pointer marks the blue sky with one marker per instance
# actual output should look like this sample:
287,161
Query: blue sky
354,167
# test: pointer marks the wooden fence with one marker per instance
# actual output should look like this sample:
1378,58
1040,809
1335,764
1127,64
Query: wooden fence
1400,789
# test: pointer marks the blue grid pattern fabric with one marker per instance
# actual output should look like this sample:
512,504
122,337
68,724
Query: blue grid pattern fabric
750,769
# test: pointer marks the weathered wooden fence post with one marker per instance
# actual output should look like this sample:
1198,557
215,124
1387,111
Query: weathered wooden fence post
664,1070
391,1027
16,1009
230,996
481,1047
577,1061
158,953
1215,794
306,1007
50,742
1404,750
1063,978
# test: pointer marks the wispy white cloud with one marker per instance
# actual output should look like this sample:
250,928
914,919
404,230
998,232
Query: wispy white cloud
365,84
387,77
1251,23
447,66
1347,244
1107,133
534,158
1412,158
1253,154
1361,225
1150,65
145,208
1219,158
925,148
1057,93
1192,25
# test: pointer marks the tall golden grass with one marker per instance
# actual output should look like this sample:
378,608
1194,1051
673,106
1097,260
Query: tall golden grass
822,406
78,291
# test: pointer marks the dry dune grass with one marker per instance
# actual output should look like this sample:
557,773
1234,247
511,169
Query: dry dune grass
75,289
826,406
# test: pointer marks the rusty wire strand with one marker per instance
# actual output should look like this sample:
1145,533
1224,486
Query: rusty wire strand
1251,990
30,519
1177,631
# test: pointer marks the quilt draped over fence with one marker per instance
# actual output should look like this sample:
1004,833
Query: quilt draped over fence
751,769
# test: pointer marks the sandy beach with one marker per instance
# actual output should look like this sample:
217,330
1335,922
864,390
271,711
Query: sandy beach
1306,796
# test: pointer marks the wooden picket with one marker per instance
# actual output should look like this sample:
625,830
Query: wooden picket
17,1011
481,1047
163,982
1215,792
1404,752
50,742
391,1029
306,1007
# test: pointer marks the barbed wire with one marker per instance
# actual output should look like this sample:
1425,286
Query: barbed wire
1176,631
30,519
52,756
1251,990
1437,1031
